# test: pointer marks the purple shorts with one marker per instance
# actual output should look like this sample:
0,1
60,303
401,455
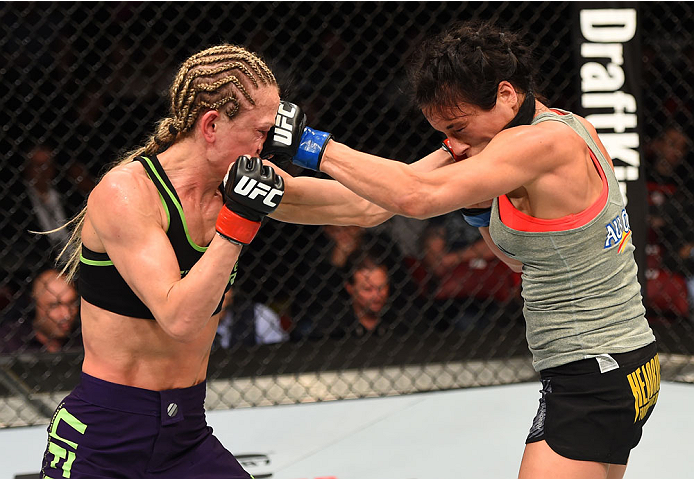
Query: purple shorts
107,430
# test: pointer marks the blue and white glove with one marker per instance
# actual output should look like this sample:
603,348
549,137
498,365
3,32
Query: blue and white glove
291,140
477,217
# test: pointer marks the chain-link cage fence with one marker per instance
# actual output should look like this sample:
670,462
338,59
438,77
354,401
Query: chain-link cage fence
83,82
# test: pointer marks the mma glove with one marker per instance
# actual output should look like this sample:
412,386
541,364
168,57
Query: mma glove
291,140
251,191
477,217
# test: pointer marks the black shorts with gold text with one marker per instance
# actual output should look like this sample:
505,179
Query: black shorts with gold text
594,409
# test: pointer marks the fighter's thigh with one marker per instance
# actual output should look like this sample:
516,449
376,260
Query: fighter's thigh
616,471
541,462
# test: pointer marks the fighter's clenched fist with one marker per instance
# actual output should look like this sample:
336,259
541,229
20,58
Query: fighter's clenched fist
251,191
291,139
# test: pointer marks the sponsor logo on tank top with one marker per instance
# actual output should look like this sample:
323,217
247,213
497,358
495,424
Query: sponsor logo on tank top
618,231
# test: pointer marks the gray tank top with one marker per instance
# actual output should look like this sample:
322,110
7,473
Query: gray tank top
580,289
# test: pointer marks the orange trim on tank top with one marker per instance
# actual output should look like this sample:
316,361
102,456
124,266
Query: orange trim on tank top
519,221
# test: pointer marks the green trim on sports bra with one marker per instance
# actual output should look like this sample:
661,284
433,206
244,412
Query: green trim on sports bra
202,249
163,202
93,262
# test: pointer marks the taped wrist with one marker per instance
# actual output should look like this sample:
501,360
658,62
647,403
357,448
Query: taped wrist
232,241
236,228
311,148
446,146
477,217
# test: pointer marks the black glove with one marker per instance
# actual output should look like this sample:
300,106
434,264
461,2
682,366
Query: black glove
291,139
283,138
251,191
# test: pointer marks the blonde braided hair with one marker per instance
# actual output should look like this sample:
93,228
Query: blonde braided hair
208,80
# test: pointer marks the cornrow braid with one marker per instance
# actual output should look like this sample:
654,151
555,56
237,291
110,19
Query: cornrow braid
202,75
183,87
209,79
191,61
188,110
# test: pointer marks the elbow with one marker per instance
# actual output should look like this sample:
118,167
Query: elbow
413,206
182,330
416,200
368,215
369,221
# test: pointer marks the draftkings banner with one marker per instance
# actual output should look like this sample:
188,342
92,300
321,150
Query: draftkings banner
609,53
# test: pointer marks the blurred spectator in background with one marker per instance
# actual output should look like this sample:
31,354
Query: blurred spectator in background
322,275
405,232
39,199
685,252
670,185
370,310
248,323
442,254
669,164
669,174
47,321
369,290
41,205
675,250
464,284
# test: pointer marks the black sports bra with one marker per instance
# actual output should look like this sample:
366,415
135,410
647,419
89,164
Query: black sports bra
101,284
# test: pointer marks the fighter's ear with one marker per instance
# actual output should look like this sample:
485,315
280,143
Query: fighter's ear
506,93
208,125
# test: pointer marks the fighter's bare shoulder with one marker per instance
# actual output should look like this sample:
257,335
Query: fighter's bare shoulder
124,192
547,144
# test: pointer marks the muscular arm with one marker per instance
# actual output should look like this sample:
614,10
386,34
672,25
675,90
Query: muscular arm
123,215
512,159
317,201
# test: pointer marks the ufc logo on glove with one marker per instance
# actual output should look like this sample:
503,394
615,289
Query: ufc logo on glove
283,125
250,188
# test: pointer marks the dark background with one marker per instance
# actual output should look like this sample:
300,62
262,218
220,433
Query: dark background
89,81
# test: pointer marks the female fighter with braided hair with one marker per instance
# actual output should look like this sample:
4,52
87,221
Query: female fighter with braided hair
548,203
156,248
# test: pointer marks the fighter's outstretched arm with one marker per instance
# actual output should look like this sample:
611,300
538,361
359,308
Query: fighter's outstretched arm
309,200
